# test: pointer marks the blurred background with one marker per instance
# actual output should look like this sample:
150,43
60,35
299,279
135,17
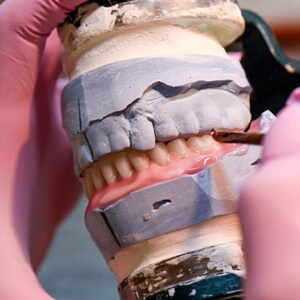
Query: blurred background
284,18
74,268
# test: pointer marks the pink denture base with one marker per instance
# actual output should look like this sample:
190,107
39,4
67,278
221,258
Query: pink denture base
177,167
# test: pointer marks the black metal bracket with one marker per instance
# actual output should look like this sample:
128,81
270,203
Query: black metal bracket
219,287
271,73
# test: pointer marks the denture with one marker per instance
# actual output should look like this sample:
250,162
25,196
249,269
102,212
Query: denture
116,172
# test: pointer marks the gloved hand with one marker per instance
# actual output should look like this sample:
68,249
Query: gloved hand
36,174
270,212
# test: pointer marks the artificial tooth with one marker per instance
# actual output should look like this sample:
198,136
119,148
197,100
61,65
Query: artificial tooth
122,164
204,144
178,147
97,176
159,154
108,170
88,184
139,159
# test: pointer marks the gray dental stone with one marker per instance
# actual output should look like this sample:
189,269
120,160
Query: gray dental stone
215,118
99,142
110,135
211,106
82,154
188,124
142,133
201,111
112,88
164,127
102,234
234,115
173,205
163,205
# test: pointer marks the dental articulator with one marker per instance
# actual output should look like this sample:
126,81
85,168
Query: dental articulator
156,111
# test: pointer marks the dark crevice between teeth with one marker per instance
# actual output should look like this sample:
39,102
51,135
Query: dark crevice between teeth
171,91
75,18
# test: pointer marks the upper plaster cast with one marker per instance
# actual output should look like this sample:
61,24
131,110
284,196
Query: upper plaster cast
170,97
114,87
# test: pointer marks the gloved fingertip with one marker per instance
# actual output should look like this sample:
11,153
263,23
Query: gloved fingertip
294,97
283,140
51,62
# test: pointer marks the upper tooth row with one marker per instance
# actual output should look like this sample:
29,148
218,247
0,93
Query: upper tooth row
123,164
145,124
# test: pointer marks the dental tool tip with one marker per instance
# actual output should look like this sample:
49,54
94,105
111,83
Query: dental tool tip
237,137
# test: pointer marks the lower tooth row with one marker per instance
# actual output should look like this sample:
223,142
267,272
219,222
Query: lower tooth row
139,160
203,145
159,154
179,148
122,165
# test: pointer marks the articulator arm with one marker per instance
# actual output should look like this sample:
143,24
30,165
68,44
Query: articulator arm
272,74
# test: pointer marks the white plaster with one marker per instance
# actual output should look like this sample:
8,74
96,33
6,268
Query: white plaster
99,37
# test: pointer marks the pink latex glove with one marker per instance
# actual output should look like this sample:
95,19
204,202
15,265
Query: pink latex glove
37,185
270,212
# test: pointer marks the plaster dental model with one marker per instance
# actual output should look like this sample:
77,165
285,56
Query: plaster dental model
149,80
